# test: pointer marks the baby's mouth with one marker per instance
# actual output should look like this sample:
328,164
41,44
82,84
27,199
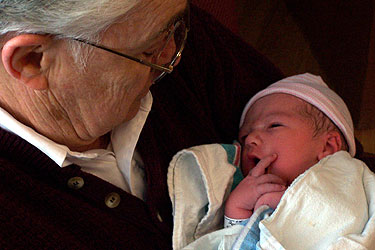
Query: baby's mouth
256,161
253,160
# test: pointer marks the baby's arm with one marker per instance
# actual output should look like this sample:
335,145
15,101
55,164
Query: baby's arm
242,201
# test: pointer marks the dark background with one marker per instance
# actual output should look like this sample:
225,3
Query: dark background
330,38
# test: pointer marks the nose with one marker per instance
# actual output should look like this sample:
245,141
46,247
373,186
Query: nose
167,53
253,139
177,61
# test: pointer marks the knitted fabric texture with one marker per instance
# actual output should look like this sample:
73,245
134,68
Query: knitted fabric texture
315,91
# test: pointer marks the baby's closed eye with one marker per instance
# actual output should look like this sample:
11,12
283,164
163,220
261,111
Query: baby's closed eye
275,125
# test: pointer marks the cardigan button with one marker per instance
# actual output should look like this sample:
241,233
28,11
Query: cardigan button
76,182
112,200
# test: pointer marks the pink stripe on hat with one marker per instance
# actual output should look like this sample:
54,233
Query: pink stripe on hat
315,91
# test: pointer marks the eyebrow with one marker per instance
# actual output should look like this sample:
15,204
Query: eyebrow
176,17
171,21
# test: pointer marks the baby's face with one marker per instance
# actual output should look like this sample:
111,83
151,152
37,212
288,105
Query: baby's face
274,126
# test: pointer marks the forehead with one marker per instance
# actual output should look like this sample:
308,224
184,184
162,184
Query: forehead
144,22
279,100
274,104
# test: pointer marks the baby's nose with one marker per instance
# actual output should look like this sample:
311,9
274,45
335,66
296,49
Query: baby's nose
253,139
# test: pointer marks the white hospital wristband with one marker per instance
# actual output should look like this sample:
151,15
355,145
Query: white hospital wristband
228,222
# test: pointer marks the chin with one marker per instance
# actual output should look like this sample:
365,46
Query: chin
130,116
134,108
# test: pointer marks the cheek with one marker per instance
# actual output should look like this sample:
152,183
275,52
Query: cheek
285,164
116,94
291,163
129,83
137,87
132,94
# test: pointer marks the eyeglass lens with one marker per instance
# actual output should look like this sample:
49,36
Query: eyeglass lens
177,35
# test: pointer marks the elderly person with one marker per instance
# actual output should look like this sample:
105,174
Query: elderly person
75,170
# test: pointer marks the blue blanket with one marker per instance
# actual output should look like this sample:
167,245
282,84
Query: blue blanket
249,236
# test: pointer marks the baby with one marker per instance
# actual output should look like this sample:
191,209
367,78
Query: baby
284,130
292,183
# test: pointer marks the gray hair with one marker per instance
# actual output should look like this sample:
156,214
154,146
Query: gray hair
84,19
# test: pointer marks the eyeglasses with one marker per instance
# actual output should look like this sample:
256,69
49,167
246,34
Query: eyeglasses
177,32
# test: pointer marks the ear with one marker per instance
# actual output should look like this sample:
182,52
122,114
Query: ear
22,58
332,143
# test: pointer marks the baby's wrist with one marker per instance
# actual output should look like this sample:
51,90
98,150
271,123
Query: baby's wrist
237,213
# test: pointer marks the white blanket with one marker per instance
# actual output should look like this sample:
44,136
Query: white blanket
199,180
330,206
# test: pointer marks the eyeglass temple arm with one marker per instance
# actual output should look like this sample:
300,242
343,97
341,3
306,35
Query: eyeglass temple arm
168,69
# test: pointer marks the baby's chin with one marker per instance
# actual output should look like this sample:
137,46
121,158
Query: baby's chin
286,179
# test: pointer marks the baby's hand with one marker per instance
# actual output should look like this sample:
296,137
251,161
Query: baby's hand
271,199
242,200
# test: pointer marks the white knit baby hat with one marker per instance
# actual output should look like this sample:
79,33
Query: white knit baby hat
314,90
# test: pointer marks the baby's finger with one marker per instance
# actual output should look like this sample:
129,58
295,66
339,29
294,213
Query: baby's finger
264,163
270,178
269,188
270,199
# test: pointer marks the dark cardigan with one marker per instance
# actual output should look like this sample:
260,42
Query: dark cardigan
198,103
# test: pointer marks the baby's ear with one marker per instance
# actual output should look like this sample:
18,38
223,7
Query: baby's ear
332,143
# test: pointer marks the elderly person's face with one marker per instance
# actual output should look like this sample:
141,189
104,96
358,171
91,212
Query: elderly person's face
112,87
86,104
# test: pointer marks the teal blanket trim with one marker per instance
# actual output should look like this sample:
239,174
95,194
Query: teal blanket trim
233,152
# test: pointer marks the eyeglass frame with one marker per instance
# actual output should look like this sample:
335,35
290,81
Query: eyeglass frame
165,69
